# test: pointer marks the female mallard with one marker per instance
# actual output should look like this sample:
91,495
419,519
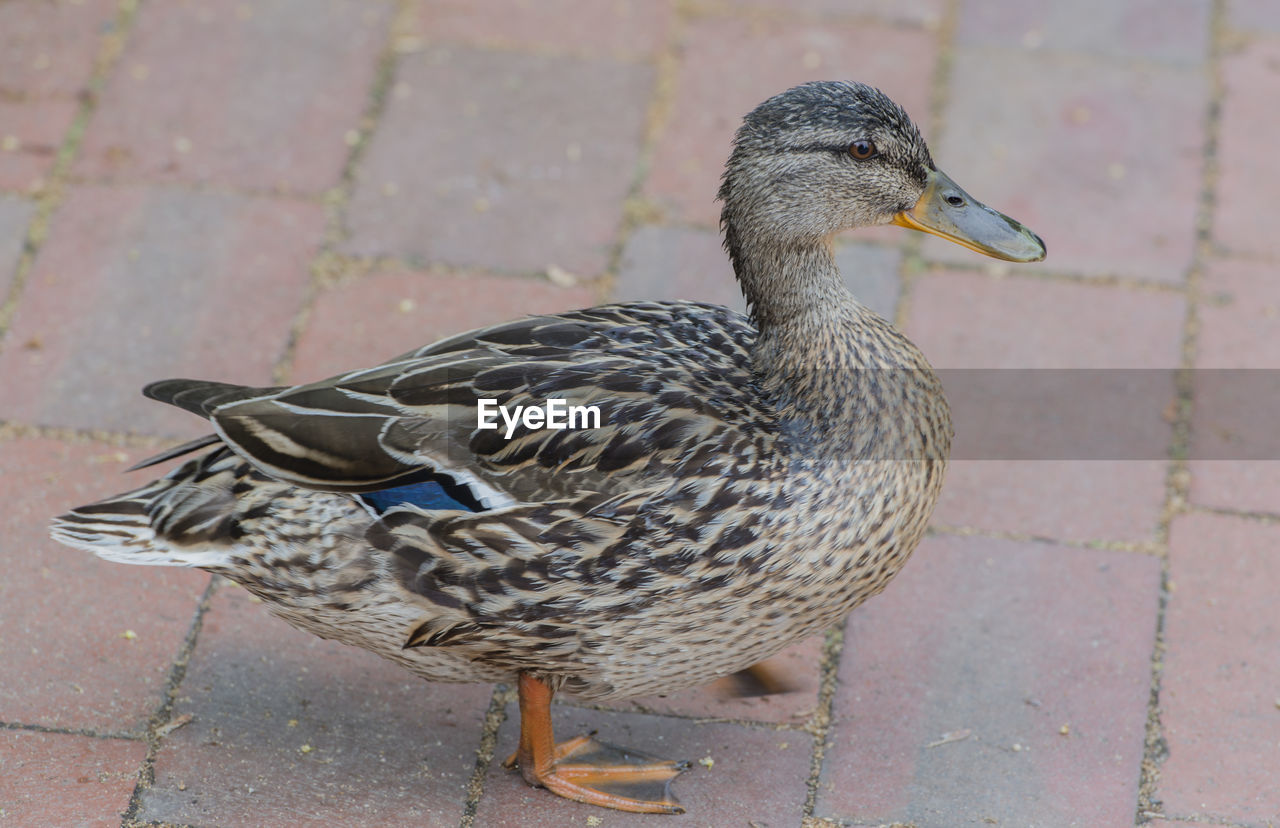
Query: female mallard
751,481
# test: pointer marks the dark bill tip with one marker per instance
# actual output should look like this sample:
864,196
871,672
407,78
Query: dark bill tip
947,211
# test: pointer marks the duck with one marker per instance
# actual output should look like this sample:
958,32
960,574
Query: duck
743,481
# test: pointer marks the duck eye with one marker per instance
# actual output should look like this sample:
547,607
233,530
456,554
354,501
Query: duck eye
862,150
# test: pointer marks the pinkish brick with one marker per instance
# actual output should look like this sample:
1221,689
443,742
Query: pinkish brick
1240,322
502,161
15,215
1102,160
740,775
31,133
956,684
1254,15
677,263
1240,485
137,284
732,64
1247,165
970,321
1158,29
623,28
68,662
924,12
257,96
375,318
47,49
289,729
1075,500
1221,670
60,779
871,273
1235,451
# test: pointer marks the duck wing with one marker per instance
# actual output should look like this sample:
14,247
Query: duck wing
672,383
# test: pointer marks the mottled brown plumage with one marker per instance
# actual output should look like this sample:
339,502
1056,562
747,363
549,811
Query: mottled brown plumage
753,479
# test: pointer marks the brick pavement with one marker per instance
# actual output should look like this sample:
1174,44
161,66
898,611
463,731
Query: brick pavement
279,189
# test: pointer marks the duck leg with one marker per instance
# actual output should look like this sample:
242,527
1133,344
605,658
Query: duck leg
584,769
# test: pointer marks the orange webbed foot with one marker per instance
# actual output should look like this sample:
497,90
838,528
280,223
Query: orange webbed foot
585,769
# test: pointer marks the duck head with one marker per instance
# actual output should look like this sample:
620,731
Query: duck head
829,155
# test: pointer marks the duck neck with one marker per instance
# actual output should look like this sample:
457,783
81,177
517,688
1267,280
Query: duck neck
807,321
786,283
842,377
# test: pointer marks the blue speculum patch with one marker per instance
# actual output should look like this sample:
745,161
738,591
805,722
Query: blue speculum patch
425,494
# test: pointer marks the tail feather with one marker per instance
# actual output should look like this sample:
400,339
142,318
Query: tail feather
177,451
108,523
108,531
179,520
201,396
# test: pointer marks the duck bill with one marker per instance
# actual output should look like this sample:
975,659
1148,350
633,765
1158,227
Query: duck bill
946,210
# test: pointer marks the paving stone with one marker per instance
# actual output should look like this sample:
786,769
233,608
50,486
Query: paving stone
1063,332
1247,166
1128,29
871,272
1102,160
15,215
955,684
279,87
289,729
717,84
1221,671
47,49
970,320
58,779
782,690
1240,322
31,133
1240,485
67,661
530,160
375,318
677,263
689,263
1075,500
925,12
623,28
1254,15
729,792
1235,452
137,284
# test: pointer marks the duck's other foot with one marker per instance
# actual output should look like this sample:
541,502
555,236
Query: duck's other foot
585,769
760,679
